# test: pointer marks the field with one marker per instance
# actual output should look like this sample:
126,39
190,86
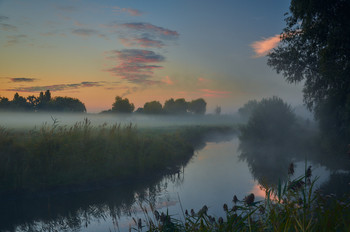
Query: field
55,156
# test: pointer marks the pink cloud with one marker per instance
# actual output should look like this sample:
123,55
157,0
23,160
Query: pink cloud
138,56
143,42
59,87
134,65
167,80
202,80
262,47
132,12
151,28
214,93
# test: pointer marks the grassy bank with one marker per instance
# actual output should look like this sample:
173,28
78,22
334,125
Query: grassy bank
54,155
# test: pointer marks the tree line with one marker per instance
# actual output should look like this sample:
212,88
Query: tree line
171,106
43,102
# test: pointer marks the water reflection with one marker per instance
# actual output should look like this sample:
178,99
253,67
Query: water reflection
74,211
113,205
268,162
212,177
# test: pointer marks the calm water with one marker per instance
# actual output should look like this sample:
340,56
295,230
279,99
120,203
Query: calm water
214,174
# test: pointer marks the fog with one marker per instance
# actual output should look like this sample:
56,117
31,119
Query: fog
21,120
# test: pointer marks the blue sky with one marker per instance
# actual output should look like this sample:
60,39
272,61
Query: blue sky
142,50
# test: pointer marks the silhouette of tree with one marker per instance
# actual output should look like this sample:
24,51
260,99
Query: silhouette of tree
315,49
139,110
19,103
197,106
179,106
4,103
248,108
272,119
43,101
122,105
217,110
33,101
269,140
153,107
66,104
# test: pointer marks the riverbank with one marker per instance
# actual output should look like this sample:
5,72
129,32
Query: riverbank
64,158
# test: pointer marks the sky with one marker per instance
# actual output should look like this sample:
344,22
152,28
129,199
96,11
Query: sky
143,50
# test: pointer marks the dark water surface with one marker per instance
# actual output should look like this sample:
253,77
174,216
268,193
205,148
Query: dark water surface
214,174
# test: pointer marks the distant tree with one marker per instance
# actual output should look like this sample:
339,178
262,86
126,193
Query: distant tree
66,104
43,101
139,110
19,103
197,106
179,106
217,110
122,105
106,111
248,108
169,106
153,107
33,101
4,103
271,120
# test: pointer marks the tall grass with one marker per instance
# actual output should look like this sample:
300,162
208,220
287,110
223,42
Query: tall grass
55,155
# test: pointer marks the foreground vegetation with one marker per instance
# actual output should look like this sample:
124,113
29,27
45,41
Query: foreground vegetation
292,206
60,156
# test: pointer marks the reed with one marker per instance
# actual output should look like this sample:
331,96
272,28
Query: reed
56,156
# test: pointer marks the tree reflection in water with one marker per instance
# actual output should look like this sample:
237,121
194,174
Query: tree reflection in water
74,211
268,161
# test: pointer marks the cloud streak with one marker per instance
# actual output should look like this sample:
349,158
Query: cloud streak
135,65
214,93
167,80
262,47
85,32
5,26
59,87
143,42
150,28
22,79
130,11
14,39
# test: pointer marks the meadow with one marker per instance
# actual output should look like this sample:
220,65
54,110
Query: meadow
56,156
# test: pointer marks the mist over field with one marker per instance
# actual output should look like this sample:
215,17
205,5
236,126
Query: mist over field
25,120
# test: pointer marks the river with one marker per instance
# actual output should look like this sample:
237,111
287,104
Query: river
213,176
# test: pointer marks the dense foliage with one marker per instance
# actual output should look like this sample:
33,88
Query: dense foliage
44,102
315,50
271,119
171,107
153,107
122,105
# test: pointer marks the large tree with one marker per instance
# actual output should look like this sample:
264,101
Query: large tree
153,107
315,50
197,106
67,104
178,106
122,105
